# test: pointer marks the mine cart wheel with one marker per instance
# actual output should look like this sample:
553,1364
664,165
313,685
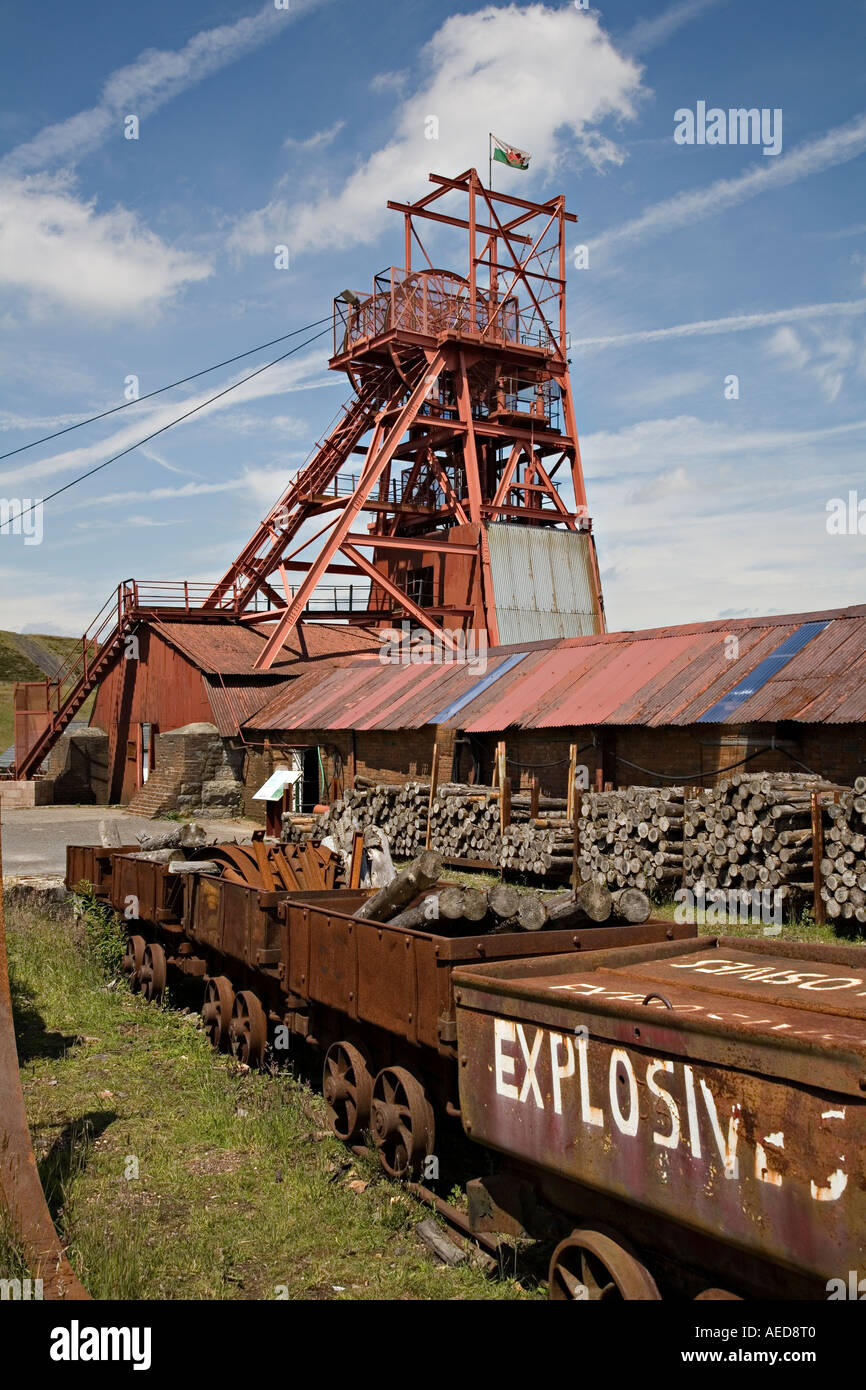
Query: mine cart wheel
249,1029
133,960
717,1296
216,1011
153,973
402,1122
590,1266
347,1085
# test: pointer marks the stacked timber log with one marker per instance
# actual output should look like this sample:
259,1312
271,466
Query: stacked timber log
414,899
542,846
843,867
753,833
400,811
632,838
464,822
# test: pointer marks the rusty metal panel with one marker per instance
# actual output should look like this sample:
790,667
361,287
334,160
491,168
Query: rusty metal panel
93,864
543,583
730,1103
231,647
333,966
203,904
238,905
157,894
387,981
658,677
235,699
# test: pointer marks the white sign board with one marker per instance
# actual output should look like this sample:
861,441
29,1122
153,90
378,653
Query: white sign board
272,790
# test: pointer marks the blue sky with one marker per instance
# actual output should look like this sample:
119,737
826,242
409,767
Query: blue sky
260,127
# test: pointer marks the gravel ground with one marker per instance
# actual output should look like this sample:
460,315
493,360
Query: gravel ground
35,839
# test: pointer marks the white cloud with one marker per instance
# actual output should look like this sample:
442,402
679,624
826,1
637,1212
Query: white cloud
734,323
532,73
812,157
651,445
695,518
55,245
59,249
146,84
317,141
389,82
664,484
154,494
827,358
665,388
292,375
650,33
285,426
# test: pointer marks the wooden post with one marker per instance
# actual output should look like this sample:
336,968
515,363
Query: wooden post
572,773
505,804
818,905
575,872
533,798
504,782
434,783
351,768
355,861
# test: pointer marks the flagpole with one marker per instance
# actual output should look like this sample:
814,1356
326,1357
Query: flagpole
490,158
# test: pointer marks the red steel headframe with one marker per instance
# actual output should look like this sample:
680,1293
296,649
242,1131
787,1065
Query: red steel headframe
462,378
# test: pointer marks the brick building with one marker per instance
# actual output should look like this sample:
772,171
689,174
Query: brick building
677,704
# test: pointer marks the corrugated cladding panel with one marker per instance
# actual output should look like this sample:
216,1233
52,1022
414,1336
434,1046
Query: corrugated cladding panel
663,676
731,705
232,647
235,699
542,583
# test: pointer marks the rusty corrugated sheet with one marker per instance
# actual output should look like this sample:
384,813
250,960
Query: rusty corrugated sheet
235,699
659,677
231,647
542,583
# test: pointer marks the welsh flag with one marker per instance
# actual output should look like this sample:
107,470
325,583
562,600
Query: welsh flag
509,154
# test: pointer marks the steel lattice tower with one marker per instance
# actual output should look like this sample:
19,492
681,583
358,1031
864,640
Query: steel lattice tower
457,438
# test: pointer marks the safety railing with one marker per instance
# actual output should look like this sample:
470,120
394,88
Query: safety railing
432,302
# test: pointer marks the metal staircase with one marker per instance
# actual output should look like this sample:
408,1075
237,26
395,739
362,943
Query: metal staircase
259,560
43,709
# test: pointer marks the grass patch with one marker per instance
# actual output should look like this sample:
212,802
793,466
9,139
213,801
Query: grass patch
801,928
173,1174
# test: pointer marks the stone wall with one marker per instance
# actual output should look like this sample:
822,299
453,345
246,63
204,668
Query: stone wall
197,773
78,768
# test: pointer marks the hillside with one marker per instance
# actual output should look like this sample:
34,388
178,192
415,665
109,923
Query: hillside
29,657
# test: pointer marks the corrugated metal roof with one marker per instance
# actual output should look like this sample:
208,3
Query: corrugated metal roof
542,582
231,647
235,699
763,673
658,677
